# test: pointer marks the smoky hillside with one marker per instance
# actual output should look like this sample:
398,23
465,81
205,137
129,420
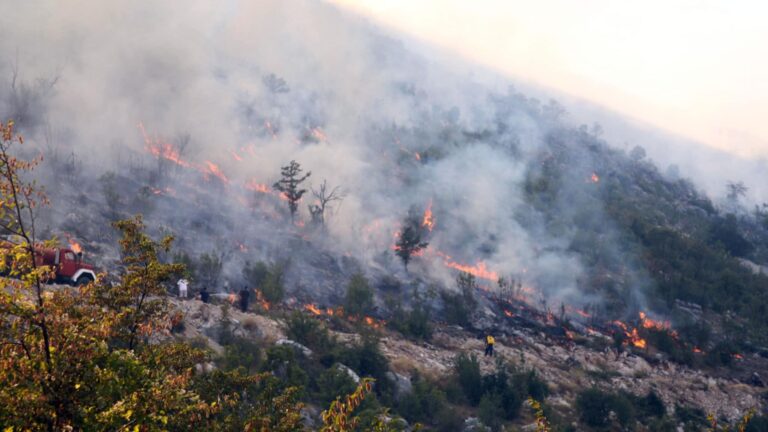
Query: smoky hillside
187,113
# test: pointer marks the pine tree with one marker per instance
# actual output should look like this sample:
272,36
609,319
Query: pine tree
410,239
289,185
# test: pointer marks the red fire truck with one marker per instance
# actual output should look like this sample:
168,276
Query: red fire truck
68,265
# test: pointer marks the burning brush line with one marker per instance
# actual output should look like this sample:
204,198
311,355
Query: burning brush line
161,149
339,312
165,150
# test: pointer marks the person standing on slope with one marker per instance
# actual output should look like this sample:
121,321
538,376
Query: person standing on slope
244,295
183,284
489,341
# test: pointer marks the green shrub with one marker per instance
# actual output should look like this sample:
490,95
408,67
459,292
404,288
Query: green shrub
595,406
225,326
256,273
285,363
724,233
491,411
310,332
272,287
267,279
332,383
458,308
424,404
415,323
241,352
690,415
720,355
209,268
650,405
455,310
359,299
467,371
697,333
367,360
532,384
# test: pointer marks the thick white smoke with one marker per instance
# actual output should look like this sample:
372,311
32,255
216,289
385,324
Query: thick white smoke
356,107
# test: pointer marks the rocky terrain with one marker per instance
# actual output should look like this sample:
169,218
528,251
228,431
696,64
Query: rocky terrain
567,368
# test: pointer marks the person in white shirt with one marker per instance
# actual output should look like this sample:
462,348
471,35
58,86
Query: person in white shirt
183,288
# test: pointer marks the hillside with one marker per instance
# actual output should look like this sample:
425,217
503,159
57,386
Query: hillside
386,205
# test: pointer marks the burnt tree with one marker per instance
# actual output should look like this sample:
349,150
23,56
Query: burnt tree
289,185
324,196
410,239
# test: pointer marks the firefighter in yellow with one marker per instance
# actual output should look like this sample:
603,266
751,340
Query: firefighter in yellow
489,341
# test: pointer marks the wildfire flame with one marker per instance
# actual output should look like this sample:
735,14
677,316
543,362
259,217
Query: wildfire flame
632,335
213,169
429,220
164,150
479,270
637,340
594,178
261,300
257,187
73,244
318,134
370,321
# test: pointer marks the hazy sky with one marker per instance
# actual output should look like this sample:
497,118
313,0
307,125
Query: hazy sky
698,68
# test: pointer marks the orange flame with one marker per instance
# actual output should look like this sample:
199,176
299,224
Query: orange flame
232,298
594,178
165,150
73,244
370,321
508,313
652,324
162,149
213,169
318,134
257,187
261,300
429,220
738,356
633,336
697,350
479,270
636,339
